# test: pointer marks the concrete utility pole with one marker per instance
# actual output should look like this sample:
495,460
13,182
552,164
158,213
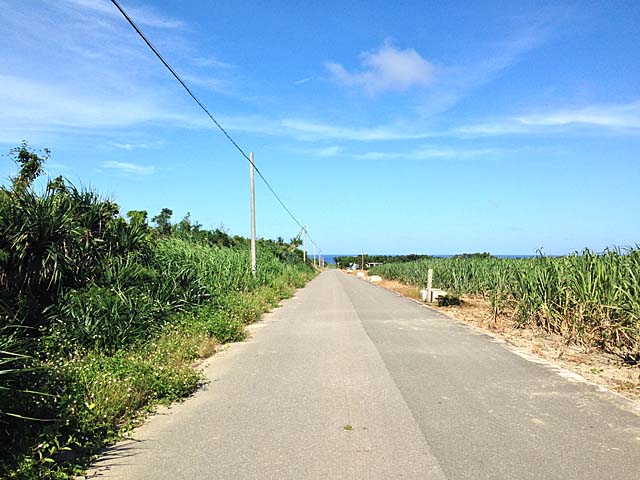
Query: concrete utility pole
314,254
253,216
304,245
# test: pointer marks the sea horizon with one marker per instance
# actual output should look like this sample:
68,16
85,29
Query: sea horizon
330,258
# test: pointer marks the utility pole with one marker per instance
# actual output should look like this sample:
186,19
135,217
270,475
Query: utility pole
304,245
362,263
253,216
314,254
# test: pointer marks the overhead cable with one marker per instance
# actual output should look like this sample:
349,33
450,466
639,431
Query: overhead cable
201,105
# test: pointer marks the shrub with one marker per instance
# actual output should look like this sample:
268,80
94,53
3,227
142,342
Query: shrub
223,328
448,300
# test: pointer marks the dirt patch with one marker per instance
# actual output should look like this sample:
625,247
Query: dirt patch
597,367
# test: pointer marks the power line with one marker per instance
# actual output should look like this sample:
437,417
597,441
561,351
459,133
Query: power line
201,105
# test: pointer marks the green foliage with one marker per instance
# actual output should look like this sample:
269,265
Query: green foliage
588,298
478,255
30,164
101,317
57,241
345,261
221,327
448,300
105,318
163,221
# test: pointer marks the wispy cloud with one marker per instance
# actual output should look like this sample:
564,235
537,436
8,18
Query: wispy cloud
598,119
311,130
215,84
620,118
329,151
137,146
609,116
458,80
142,16
501,55
431,153
302,80
109,81
211,62
316,130
127,168
34,103
387,69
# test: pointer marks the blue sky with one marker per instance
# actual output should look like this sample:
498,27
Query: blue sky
386,127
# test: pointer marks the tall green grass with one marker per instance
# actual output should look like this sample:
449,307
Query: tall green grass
589,298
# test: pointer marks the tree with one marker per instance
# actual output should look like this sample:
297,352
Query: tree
184,225
163,221
137,216
30,164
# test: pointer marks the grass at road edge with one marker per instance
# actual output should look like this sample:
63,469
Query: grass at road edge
106,395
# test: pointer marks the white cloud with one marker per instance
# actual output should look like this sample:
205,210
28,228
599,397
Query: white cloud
608,116
431,152
619,118
329,151
624,119
142,16
136,146
490,129
109,81
35,105
310,130
503,55
485,63
211,62
129,168
301,81
215,84
388,69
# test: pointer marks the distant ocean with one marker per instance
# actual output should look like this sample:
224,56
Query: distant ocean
330,258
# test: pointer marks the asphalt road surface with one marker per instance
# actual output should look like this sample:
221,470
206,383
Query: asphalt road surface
348,380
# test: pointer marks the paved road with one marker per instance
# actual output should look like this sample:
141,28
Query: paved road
348,380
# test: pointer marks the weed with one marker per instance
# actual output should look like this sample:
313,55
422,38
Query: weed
448,300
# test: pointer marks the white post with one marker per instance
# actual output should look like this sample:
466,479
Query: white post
253,216
314,254
429,284
304,245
